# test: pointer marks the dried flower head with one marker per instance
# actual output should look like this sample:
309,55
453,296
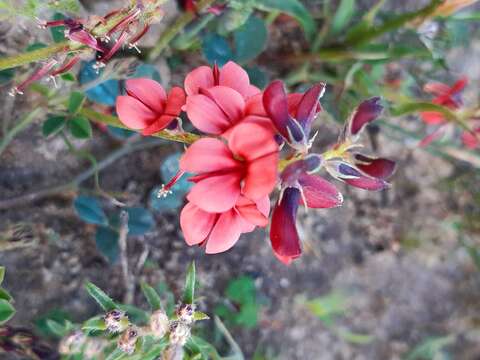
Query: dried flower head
159,323
179,333
128,340
116,321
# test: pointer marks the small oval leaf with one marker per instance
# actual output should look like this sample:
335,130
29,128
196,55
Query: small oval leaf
89,210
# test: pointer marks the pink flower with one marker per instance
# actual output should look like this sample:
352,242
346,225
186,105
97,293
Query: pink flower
230,75
220,231
445,96
246,166
147,107
469,139
219,109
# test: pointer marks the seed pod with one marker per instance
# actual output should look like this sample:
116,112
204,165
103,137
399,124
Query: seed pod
179,333
159,323
128,340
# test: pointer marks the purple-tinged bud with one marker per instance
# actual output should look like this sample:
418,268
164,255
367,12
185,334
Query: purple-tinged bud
375,167
43,71
283,231
365,113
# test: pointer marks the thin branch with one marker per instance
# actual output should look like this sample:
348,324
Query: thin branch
73,184
186,137
22,124
122,243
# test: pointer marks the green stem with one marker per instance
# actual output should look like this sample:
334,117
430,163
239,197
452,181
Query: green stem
27,120
176,28
32,56
85,155
360,38
186,137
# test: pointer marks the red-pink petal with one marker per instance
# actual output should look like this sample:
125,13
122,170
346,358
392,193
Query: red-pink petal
250,212
233,76
196,224
276,106
207,155
365,113
432,117
283,230
133,113
149,92
206,116
158,125
85,38
261,177
254,106
319,193
175,101
225,233
433,136
217,193
469,140
228,100
309,106
368,183
201,77
375,167
251,141
459,85
436,88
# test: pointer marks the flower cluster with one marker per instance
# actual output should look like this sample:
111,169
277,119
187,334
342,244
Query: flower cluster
104,36
451,98
253,141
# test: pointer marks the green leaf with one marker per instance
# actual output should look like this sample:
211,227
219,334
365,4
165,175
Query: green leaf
100,297
343,15
57,329
116,354
5,295
58,31
293,8
106,240
250,39
216,49
140,221
197,345
325,307
199,316
135,314
2,274
80,127
152,296
75,102
6,75
189,291
430,348
68,77
242,290
248,315
96,323
53,125
6,311
89,210
354,338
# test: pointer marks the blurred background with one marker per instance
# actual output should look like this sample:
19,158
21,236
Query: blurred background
389,275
